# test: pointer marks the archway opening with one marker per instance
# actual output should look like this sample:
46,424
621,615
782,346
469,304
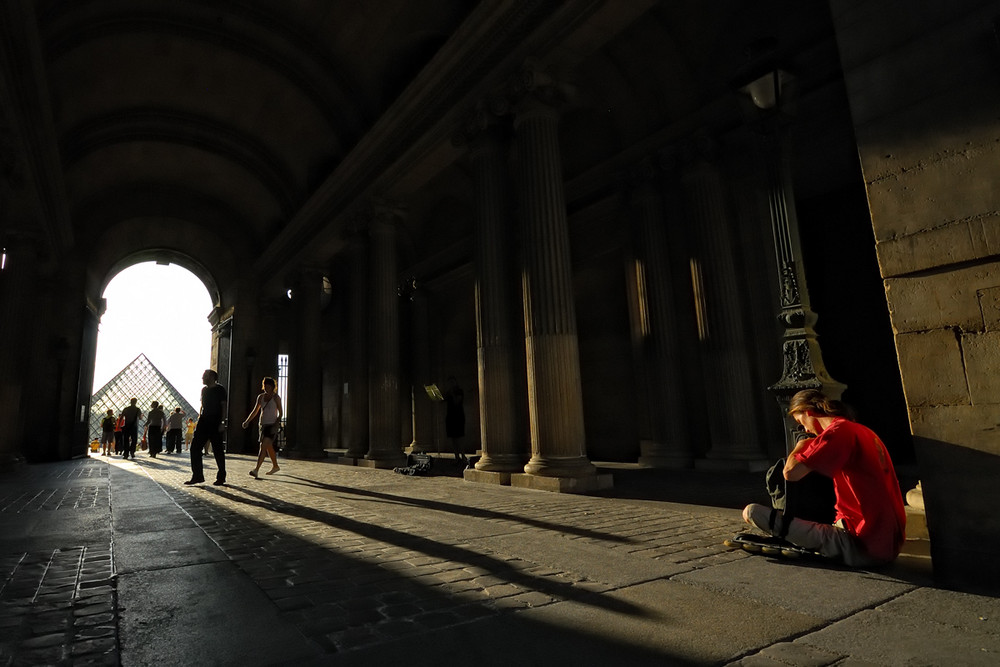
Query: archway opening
155,326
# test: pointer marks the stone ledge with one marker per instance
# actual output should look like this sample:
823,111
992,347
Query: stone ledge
487,477
599,482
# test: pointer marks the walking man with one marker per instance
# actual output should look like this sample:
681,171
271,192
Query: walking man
154,429
211,427
130,431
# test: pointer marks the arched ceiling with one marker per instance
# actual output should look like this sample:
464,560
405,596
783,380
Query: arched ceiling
246,103
260,122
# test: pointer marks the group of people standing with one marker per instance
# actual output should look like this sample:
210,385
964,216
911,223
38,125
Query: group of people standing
122,433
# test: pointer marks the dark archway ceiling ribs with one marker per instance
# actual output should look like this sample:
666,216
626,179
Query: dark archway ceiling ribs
262,122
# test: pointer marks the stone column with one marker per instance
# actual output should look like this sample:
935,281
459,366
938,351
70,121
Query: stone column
422,407
555,401
306,366
16,279
385,449
733,429
357,382
503,449
667,442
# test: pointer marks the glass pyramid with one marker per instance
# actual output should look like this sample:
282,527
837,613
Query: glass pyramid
141,380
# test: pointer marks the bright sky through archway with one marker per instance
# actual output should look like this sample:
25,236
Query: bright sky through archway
162,312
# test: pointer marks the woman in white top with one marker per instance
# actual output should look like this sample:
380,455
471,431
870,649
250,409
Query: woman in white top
269,406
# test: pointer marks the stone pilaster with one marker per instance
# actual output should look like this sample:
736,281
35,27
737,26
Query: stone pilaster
733,429
555,399
385,449
504,450
306,372
666,443
16,291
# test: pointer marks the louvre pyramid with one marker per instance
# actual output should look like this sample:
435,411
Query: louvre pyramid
141,380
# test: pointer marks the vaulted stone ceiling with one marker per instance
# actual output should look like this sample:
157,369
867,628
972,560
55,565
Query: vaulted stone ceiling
253,124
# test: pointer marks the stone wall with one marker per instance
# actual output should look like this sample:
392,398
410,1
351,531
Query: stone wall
924,86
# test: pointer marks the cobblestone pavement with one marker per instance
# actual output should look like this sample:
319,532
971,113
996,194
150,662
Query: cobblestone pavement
357,565
57,606
353,563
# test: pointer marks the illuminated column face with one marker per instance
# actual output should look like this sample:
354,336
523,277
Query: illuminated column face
555,400
719,307
504,449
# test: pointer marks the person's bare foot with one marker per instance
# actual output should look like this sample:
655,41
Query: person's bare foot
273,470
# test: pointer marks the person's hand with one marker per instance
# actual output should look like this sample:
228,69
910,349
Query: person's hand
245,424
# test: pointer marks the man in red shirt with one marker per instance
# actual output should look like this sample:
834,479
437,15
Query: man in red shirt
870,519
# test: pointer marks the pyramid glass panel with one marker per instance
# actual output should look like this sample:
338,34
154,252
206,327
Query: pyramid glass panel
140,380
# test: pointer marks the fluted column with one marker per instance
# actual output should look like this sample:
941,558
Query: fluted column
504,450
733,429
555,398
385,449
667,441
306,372
16,291
421,405
357,384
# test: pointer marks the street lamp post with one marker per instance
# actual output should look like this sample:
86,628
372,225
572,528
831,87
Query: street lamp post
802,360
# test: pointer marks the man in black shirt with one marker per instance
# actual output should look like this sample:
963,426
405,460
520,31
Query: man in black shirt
132,416
212,424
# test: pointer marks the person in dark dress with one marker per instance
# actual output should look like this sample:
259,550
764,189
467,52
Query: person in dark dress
211,427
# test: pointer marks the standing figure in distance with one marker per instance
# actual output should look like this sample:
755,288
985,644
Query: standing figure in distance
108,432
119,434
212,424
454,418
130,431
188,433
175,430
154,428
269,406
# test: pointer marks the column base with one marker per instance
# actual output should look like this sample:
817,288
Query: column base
504,463
487,477
585,484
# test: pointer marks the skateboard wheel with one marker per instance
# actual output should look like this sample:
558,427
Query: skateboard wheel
752,548
790,553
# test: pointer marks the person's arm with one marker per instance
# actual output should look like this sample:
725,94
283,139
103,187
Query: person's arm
280,412
795,470
253,413
224,405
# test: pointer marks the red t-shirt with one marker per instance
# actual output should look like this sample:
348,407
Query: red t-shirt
868,497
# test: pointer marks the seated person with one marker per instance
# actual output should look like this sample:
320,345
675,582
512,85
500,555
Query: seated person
870,521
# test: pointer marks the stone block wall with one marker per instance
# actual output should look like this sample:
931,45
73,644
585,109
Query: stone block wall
923,80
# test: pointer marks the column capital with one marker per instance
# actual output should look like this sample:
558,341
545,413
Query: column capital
483,122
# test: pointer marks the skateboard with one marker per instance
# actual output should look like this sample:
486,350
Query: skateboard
769,546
